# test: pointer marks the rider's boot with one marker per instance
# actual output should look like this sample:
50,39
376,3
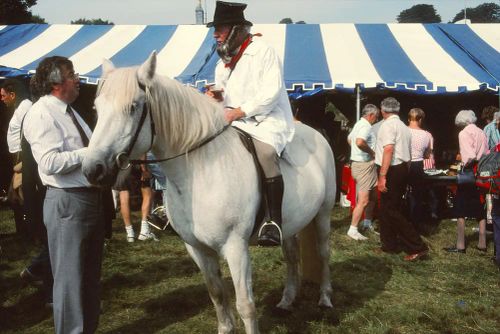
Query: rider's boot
270,232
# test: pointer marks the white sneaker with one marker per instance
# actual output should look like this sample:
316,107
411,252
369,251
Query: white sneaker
147,236
130,238
356,235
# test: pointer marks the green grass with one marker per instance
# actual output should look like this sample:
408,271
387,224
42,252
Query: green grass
156,288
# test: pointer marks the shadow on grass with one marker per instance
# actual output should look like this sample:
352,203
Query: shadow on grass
149,274
354,282
28,311
172,307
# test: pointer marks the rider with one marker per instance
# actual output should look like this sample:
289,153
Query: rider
255,99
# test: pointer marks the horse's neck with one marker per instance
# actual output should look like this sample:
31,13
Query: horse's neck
185,118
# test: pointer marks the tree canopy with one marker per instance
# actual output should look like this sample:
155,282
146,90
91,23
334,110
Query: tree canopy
419,14
484,13
92,21
288,20
17,12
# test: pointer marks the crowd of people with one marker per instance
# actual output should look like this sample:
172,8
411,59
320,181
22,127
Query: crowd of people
392,157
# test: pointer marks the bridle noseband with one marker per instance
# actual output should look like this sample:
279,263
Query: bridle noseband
122,159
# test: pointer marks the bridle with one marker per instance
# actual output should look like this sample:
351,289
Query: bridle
122,159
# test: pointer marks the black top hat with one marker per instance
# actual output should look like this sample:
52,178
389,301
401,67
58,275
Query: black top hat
230,13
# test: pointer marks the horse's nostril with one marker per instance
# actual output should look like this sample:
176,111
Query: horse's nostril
99,169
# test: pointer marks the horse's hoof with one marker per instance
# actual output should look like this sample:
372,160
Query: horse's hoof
325,306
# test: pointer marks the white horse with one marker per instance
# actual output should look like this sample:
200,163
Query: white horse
212,190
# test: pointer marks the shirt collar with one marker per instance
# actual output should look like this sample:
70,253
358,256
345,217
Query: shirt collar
392,116
251,49
366,121
58,104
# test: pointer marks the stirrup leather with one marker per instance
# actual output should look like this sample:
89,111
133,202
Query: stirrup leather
270,222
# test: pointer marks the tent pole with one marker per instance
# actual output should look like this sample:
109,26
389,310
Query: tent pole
358,102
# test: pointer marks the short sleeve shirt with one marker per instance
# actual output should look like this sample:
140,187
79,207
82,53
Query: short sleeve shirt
393,132
363,130
420,142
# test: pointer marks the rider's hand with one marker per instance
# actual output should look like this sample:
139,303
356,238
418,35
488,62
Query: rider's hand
232,114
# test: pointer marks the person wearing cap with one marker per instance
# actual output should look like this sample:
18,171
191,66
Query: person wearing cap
250,76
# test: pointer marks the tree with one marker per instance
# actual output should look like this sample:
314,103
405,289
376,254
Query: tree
484,13
37,19
92,21
16,11
419,14
300,22
286,20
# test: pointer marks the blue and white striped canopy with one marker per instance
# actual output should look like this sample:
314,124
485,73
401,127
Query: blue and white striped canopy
426,58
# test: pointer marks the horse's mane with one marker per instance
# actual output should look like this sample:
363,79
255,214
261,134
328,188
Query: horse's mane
181,114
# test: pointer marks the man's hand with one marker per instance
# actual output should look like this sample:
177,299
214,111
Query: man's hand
384,168
381,184
145,174
232,114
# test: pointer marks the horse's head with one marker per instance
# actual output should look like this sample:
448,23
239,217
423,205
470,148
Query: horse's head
124,125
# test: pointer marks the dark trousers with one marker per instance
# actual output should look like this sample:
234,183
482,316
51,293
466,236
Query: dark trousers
415,196
396,232
495,213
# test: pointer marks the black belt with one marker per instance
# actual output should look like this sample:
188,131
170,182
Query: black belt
78,189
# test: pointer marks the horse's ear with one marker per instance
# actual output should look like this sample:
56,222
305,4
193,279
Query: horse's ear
107,67
147,70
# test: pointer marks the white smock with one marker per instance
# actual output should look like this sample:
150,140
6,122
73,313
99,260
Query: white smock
256,86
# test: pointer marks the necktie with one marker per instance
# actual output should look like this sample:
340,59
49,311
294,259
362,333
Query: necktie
85,139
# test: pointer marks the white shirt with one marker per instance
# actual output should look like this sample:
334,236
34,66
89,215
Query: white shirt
363,130
256,85
14,131
393,131
56,143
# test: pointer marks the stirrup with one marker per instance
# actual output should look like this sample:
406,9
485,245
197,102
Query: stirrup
270,222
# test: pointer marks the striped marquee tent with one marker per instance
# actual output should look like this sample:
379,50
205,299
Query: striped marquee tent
424,58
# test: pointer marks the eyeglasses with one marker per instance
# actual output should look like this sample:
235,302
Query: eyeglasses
73,76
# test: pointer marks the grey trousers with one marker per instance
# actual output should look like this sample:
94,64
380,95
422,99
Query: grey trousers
268,159
75,230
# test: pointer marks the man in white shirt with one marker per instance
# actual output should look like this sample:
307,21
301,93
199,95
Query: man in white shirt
392,155
72,210
251,79
362,141
13,97
13,94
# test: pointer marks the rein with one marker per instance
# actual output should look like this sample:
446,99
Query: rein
122,160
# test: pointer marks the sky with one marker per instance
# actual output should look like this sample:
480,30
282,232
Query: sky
258,11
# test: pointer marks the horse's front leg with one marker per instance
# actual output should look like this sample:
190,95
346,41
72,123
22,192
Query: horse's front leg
208,262
292,285
238,259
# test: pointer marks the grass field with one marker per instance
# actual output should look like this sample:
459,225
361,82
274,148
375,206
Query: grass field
156,288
